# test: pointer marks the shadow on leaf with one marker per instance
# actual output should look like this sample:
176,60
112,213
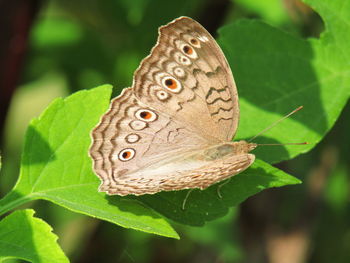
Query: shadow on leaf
36,149
274,71
206,205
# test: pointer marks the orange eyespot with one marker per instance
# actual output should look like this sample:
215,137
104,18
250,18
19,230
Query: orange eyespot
170,83
188,50
126,154
145,115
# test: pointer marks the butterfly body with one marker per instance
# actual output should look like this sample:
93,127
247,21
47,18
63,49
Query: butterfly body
197,169
172,129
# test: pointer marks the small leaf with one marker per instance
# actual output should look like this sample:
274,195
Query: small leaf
26,237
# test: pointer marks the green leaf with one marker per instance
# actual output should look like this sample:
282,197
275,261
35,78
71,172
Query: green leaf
56,167
273,11
26,237
276,72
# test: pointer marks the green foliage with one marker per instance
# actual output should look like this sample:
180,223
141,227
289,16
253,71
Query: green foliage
275,72
26,237
270,10
56,167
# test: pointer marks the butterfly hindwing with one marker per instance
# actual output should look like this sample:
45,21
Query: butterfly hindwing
132,136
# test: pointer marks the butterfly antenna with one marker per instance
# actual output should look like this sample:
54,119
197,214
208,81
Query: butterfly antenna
279,144
276,122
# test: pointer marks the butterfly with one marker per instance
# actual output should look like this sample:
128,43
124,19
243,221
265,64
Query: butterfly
172,129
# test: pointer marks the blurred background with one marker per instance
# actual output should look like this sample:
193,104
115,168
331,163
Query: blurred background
52,48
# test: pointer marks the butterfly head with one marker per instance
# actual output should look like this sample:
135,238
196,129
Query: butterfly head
242,147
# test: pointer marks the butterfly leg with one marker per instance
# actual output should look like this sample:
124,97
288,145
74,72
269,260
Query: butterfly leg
218,190
186,197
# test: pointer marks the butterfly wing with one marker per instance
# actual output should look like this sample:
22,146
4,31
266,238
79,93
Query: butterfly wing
131,137
159,134
138,150
187,76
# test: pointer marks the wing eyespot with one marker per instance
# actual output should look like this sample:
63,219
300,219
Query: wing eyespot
146,115
162,95
137,125
194,42
189,51
172,84
126,154
182,59
179,72
132,138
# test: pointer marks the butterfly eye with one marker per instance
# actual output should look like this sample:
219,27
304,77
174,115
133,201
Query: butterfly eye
126,154
189,51
172,84
146,115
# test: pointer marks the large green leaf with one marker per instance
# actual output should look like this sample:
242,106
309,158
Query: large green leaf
275,72
56,167
25,237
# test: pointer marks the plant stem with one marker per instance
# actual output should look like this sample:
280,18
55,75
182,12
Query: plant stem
12,200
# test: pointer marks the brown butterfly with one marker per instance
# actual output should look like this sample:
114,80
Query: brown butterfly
173,128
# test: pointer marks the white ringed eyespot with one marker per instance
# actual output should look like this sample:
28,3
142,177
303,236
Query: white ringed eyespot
171,84
146,115
182,59
132,138
194,42
189,51
138,125
179,72
126,154
162,95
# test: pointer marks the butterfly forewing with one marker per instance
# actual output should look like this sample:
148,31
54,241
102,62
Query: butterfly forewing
187,76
